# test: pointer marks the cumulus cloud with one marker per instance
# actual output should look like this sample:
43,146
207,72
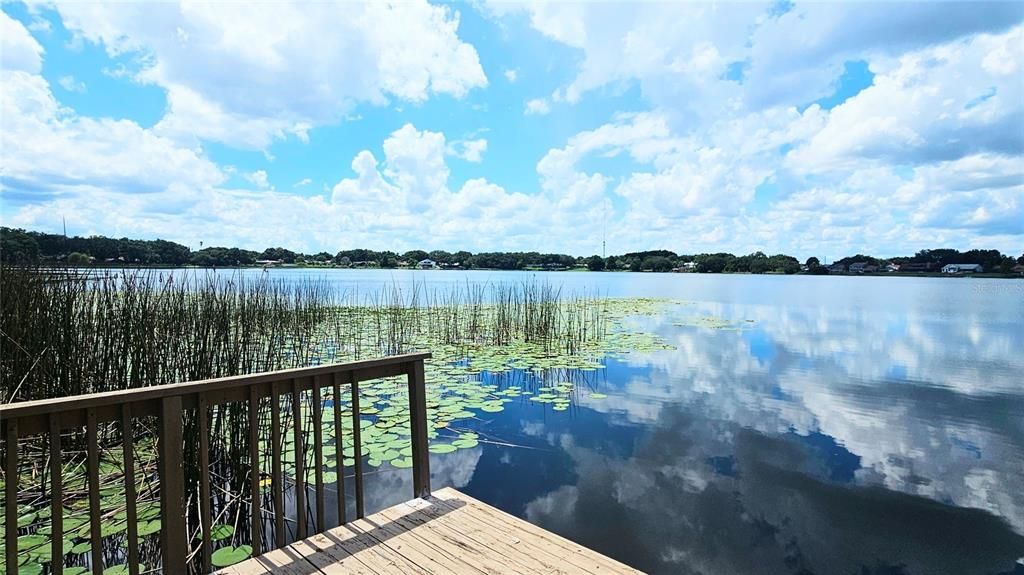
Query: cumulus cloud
71,85
18,49
537,107
242,85
469,150
511,75
259,179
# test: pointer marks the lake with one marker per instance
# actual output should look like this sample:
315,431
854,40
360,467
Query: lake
853,425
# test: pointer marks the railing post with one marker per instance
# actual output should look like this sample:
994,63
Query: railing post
172,486
418,426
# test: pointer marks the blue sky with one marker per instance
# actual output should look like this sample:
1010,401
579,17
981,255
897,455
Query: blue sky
811,129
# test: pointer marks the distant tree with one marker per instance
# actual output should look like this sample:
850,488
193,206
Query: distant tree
713,263
278,254
818,270
611,263
595,263
171,253
441,256
78,259
657,264
414,256
813,262
18,246
463,258
343,261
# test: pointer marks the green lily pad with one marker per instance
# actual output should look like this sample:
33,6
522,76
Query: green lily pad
402,462
442,448
226,556
148,527
221,531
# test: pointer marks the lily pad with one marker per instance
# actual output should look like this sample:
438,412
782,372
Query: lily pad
221,531
226,556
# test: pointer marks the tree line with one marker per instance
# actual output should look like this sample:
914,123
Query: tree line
21,246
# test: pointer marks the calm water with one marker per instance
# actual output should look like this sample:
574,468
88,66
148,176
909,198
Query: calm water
860,425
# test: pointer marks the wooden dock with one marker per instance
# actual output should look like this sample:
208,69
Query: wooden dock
448,532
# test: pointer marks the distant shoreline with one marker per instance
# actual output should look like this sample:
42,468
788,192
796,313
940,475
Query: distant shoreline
988,275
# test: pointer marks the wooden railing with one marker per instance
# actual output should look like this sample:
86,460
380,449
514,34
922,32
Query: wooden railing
169,404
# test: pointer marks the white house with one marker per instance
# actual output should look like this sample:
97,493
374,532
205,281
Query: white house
427,264
962,269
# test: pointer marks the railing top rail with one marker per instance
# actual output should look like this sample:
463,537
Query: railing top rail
44,406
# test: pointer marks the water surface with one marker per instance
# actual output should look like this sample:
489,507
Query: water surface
853,425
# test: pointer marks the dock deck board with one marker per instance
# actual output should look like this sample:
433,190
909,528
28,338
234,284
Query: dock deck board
448,533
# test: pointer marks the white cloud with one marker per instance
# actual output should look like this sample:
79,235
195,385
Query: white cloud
18,49
469,150
259,179
48,150
791,59
290,68
936,104
538,107
511,75
303,182
71,85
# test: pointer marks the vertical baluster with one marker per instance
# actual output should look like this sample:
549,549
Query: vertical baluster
131,510
11,497
277,476
255,490
300,471
339,448
56,498
418,427
172,487
358,448
205,513
318,453
93,472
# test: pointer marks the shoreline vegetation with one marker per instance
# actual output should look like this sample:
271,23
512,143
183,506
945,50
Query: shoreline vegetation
82,331
19,246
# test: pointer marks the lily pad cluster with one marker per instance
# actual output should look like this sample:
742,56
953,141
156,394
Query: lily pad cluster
712,322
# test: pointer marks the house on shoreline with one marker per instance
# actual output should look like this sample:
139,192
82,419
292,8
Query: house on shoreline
962,269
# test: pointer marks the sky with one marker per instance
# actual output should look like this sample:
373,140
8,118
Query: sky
822,129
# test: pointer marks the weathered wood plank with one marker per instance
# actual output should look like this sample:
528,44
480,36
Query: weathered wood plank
339,445
205,517
366,369
300,460
277,476
583,558
172,487
318,454
11,496
451,525
131,511
342,549
446,533
56,500
255,489
357,446
93,472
